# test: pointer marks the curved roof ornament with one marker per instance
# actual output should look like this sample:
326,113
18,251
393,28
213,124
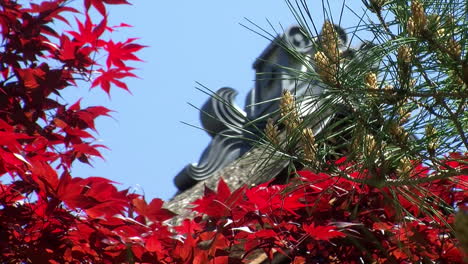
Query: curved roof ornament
223,120
220,112
231,128
223,149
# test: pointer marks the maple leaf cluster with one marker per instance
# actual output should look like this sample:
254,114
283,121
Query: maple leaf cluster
46,215
325,218
49,216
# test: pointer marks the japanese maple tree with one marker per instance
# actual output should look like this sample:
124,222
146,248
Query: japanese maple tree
46,215
325,218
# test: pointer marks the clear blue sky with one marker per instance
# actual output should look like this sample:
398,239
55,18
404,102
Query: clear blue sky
188,41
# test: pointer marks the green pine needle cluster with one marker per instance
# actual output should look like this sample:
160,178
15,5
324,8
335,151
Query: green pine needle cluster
399,99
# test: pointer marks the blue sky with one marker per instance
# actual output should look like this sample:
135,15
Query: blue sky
189,42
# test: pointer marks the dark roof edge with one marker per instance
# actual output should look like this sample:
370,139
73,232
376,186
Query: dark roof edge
267,51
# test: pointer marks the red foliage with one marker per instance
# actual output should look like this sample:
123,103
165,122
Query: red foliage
319,218
48,216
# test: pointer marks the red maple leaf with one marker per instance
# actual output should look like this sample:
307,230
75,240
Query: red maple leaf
122,51
51,10
153,211
73,54
267,199
88,149
89,114
188,226
31,76
89,32
218,204
112,76
99,4
322,232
